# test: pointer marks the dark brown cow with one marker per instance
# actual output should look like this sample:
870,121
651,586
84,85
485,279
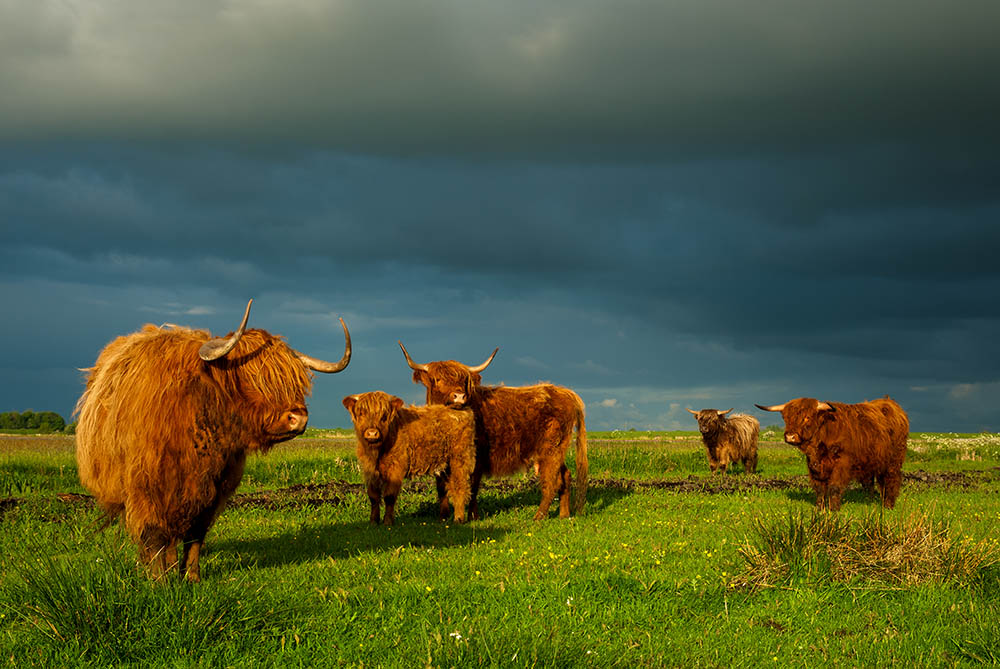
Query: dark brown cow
728,440
515,429
166,421
844,442
397,442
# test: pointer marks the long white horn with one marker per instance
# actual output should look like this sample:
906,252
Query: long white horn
776,407
486,364
409,361
325,367
216,348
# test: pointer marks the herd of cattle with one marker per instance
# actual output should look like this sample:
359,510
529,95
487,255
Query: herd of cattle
169,414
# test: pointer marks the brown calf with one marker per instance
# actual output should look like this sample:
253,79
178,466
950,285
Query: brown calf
397,442
728,440
865,442
167,419
516,428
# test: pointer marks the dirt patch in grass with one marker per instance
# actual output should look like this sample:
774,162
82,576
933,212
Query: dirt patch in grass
334,493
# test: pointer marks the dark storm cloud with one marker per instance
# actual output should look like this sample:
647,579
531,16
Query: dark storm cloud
659,204
563,77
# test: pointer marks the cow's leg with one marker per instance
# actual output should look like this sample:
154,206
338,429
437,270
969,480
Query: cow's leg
548,475
458,485
840,477
820,488
194,540
565,485
375,498
154,546
750,464
477,478
441,480
890,484
389,493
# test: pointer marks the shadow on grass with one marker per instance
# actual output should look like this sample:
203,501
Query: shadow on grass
417,529
854,495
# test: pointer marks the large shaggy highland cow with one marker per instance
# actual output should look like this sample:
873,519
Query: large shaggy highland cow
167,419
728,440
516,428
865,442
397,442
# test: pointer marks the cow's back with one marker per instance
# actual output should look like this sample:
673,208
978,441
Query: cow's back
133,409
872,433
514,422
430,436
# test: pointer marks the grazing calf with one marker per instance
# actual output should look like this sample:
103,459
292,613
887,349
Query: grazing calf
516,428
166,422
728,440
843,442
397,442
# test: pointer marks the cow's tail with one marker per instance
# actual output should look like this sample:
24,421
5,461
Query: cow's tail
582,465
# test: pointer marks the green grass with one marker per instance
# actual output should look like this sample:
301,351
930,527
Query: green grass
646,577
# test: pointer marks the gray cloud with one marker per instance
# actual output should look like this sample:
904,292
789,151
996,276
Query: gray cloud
658,204
549,77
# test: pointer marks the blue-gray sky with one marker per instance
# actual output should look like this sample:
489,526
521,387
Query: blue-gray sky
699,203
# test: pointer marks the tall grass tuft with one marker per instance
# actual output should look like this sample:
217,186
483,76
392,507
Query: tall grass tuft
110,611
821,547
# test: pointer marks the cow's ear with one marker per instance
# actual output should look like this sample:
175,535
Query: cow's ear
396,403
349,403
420,376
475,380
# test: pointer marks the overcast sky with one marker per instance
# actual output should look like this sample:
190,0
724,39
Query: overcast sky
695,203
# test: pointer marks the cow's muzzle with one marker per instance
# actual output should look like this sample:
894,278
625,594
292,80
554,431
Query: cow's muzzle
372,435
792,438
457,399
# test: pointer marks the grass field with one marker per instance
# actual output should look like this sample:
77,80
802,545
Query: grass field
668,566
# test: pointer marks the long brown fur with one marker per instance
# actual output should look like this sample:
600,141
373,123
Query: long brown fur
729,440
865,442
517,428
162,436
397,442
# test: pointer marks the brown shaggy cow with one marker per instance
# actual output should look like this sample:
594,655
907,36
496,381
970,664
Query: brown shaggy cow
397,442
515,429
728,440
166,421
844,442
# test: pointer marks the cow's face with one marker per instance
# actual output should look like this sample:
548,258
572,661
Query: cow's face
447,382
803,419
710,421
271,379
372,414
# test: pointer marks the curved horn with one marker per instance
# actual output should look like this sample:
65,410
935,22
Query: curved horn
409,361
723,413
214,349
486,364
693,413
776,407
325,367
823,406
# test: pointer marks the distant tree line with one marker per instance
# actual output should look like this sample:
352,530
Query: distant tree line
40,421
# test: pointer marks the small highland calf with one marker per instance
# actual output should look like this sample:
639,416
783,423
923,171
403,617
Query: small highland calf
397,442
864,442
728,440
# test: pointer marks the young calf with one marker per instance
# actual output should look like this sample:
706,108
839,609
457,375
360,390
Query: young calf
728,440
397,442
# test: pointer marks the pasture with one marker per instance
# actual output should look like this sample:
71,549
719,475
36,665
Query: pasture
668,566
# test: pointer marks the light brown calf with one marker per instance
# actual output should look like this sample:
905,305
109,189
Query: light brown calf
397,442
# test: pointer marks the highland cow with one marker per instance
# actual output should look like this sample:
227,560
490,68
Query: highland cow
844,442
516,428
728,440
397,442
166,421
